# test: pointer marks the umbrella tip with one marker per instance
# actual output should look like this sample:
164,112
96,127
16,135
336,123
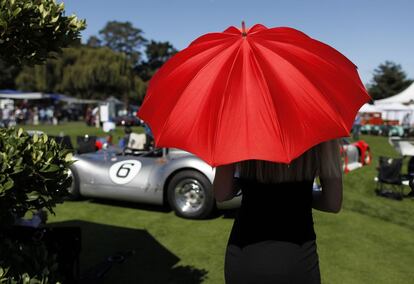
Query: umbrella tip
244,33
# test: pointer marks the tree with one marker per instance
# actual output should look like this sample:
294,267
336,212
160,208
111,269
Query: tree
85,72
157,54
7,75
389,79
31,29
123,37
94,41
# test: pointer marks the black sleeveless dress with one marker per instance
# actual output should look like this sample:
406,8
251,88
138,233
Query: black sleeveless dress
280,212
273,239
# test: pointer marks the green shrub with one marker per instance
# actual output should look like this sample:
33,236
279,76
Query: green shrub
31,29
27,263
33,174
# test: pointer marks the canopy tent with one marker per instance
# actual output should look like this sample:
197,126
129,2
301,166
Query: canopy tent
397,111
12,94
71,100
369,108
394,107
405,97
18,95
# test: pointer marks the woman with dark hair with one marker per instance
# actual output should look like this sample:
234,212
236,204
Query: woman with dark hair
272,239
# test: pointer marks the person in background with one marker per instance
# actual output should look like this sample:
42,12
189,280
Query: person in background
49,115
88,116
42,115
123,142
356,128
406,124
35,116
149,137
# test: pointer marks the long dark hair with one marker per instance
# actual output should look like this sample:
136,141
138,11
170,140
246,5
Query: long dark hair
322,160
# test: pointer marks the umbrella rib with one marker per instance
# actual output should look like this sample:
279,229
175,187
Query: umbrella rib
189,83
333,106
220,112
268,92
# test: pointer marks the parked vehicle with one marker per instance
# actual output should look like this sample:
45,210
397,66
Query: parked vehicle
160,176
355,154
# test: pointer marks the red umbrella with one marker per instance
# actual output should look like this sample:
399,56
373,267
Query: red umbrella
265,94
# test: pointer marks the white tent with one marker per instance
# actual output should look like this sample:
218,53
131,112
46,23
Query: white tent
396,111
17,95
405,97
369,108
22,96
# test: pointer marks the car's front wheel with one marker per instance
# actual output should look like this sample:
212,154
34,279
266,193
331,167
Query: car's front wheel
74,193
190,195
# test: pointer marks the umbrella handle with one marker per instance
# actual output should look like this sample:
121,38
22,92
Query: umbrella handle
244,33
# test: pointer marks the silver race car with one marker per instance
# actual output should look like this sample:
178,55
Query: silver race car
160,176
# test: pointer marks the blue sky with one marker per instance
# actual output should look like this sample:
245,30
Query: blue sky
367,32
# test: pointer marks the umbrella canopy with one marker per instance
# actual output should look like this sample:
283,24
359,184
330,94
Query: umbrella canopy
266,94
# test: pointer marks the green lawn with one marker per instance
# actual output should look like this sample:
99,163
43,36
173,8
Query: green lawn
74,129
370,241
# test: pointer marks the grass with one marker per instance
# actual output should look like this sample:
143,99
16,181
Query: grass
74,129
370,241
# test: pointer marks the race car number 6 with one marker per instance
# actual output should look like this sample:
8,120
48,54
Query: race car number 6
123,172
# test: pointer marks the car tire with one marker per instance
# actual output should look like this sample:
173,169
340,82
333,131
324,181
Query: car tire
74,193
190,195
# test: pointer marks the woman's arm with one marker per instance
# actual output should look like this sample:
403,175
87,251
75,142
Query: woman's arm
330,199
223,184
330,176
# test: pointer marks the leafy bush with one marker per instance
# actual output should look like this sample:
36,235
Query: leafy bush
26,263
30,29
33,174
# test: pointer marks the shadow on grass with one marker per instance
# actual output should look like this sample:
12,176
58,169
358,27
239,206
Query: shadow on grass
229,213
226,213
146,260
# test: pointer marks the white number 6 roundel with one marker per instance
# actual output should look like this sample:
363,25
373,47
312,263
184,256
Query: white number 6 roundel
124,171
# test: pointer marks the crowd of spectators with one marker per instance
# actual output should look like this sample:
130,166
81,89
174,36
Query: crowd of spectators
29,115
25,114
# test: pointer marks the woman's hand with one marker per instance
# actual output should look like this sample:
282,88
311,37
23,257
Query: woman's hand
223,184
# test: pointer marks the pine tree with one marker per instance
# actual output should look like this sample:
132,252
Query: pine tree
389,79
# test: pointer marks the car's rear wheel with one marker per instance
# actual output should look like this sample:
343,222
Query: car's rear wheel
73,190
190,195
